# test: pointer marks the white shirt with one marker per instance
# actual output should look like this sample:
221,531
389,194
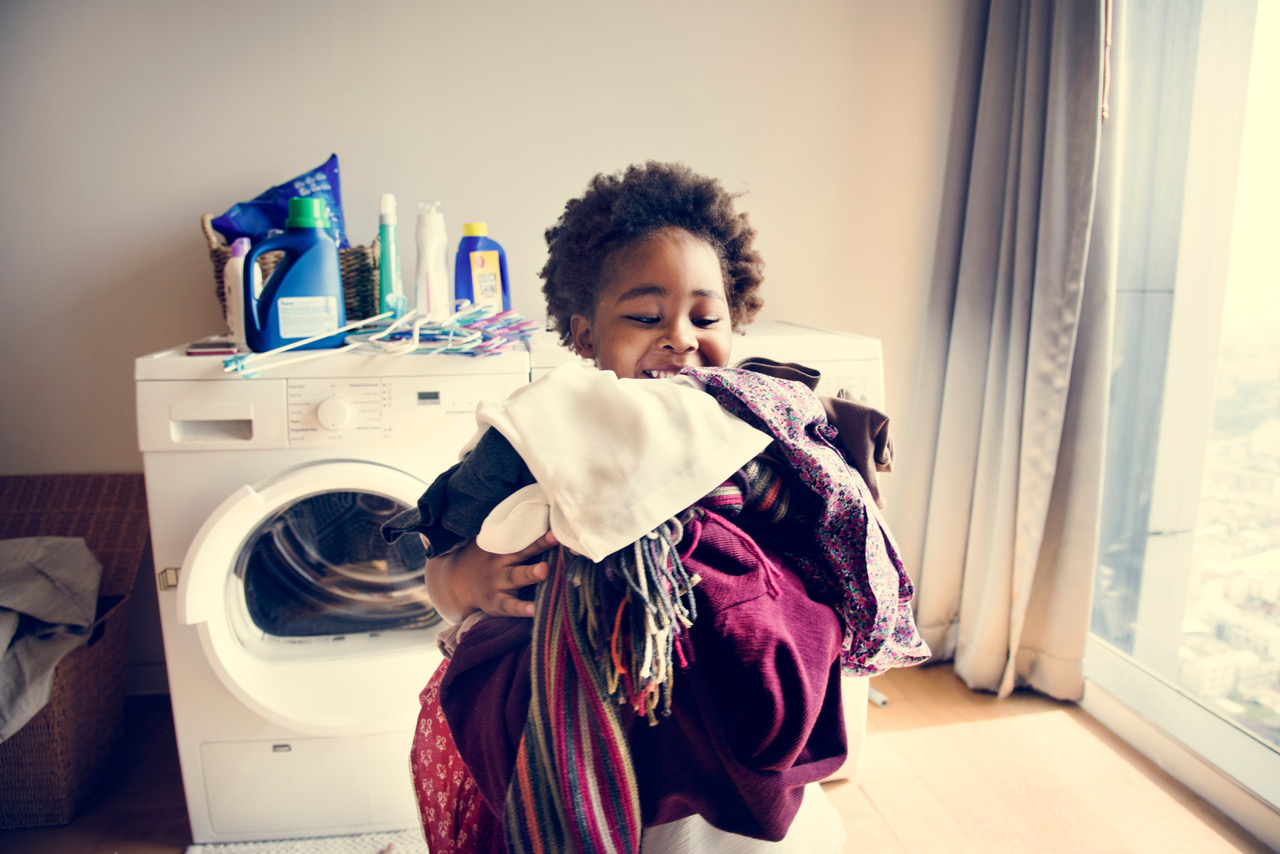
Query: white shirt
615,458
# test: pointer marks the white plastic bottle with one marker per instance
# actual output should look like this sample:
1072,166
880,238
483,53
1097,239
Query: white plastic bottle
431,278
233,290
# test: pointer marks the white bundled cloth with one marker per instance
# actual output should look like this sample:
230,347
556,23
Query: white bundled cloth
613,458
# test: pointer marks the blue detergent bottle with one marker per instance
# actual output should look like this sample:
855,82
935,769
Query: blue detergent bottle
480,272
303,297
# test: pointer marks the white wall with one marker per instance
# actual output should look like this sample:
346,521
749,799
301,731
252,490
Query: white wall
123,122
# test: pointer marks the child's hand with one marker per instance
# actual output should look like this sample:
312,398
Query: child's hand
470,579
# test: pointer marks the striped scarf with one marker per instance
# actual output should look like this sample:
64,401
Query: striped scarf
757,491
605,635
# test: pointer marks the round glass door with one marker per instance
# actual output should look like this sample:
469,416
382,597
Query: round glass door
319,566
304,613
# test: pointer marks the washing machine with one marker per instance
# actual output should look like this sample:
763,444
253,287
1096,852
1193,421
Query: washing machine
295,640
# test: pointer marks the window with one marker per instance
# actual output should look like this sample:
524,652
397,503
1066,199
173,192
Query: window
1186,622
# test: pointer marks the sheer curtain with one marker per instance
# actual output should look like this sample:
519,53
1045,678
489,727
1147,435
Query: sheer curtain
1000,512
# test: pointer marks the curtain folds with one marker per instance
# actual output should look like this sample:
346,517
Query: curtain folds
1003,524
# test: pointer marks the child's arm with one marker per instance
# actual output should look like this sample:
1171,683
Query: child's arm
469,579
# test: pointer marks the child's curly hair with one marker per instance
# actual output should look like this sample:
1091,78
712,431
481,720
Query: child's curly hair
618,210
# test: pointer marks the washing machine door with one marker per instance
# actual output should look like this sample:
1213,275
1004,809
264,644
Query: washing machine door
304,612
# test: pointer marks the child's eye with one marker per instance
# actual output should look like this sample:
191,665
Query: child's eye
646,319
705,321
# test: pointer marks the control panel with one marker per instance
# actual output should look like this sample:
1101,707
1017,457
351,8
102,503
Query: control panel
377,411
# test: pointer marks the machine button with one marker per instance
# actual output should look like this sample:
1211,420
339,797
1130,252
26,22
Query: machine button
333,413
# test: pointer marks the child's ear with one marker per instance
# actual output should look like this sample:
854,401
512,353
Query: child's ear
580,332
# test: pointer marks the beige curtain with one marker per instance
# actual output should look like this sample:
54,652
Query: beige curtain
999,512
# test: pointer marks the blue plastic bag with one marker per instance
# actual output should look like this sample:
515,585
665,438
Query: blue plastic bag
265,215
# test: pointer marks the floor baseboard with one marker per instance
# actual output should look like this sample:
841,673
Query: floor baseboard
1206,780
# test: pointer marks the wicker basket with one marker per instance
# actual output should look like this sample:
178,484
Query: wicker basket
50,766
358,265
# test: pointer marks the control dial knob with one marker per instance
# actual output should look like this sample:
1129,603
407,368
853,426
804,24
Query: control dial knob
333,413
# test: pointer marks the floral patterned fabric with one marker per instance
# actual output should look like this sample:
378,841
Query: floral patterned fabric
454,816
852,564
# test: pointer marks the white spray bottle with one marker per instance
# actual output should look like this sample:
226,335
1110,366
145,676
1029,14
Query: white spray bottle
431,278
233,290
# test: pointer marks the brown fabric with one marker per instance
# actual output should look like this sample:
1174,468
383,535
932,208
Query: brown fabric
781,370
864,438
863,431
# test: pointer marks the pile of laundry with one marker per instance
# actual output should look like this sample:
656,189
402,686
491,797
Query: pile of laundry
48,602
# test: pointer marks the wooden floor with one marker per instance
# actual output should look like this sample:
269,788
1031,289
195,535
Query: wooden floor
137,808
943,770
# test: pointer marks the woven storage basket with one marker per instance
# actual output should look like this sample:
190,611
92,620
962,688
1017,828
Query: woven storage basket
50,766
358,265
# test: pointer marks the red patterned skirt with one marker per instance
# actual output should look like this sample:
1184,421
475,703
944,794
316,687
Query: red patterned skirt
454,815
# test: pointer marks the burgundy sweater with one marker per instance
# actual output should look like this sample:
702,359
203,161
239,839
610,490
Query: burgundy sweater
755,716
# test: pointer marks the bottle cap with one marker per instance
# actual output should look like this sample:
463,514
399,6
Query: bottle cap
475,229
240,247
307,213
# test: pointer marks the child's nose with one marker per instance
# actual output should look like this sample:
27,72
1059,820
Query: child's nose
680,338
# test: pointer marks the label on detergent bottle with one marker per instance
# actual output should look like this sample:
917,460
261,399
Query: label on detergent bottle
306,317
486,279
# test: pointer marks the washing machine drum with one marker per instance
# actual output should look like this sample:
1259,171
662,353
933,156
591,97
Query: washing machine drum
303,612
320,566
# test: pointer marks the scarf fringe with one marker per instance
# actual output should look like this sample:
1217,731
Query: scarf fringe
605,635
636,607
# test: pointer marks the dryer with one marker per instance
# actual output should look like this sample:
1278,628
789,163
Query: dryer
295,641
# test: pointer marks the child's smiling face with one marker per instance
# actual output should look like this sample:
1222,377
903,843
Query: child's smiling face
663,308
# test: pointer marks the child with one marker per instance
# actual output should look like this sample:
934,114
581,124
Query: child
713,563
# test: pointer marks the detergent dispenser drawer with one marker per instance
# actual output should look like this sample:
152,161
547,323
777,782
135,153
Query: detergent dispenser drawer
212,416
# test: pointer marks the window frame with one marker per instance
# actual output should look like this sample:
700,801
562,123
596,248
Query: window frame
1138,694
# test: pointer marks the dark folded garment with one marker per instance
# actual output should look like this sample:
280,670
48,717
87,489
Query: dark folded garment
755,716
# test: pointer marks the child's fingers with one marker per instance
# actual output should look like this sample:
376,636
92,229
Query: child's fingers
524,574
537,547
510,606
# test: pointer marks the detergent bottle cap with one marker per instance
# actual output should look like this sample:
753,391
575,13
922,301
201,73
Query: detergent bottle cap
475,229
240,247
307,213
